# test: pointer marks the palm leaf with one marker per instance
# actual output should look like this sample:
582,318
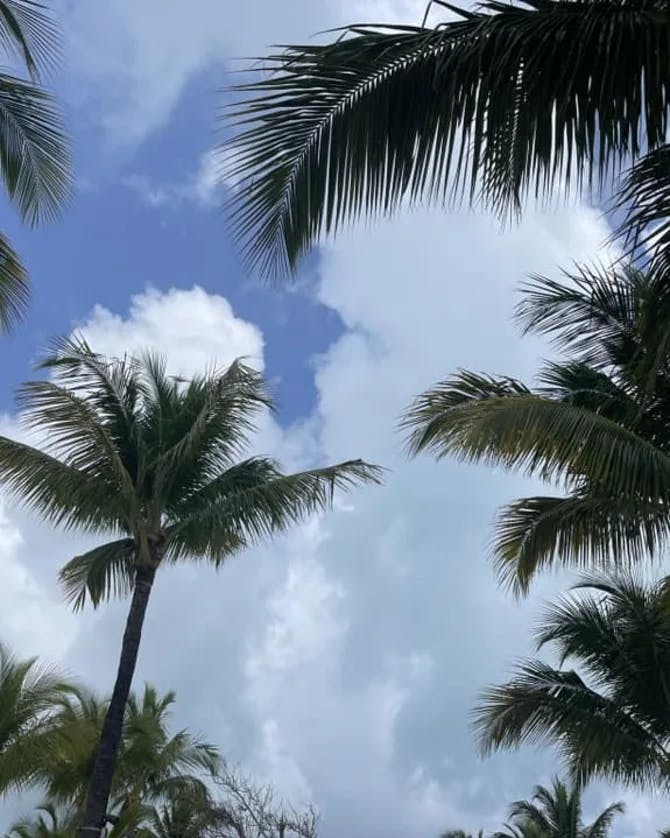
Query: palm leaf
601,826
101,573
581,530
60,493
539,436
644,197
27,29
594,735
588,312
34,154
509,98
14,287
254,500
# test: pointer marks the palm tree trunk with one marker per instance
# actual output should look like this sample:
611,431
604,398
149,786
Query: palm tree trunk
104,764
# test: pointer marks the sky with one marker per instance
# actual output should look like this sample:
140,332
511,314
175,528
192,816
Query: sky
341,661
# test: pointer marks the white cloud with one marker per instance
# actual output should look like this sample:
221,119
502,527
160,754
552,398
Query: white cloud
342,660
195,329
202,188
131,62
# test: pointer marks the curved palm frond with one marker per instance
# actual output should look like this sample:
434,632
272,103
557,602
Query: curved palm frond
616,726
539,436
508,99
582,530
587,313
61,493
28,30
30,693
644,196
34,154
601,826
104,572
254,500
594,735
14,286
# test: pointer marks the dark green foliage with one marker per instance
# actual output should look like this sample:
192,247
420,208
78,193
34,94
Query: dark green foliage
502,101
609,718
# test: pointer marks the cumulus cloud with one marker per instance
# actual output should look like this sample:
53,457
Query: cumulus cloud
342,660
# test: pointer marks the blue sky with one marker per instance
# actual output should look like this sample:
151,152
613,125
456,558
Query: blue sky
341,661
111,243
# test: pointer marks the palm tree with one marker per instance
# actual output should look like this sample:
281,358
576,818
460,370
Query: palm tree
187,812
611,718
556,812
597,424
154,463
50,822
504,100
34,155
151,762
29,696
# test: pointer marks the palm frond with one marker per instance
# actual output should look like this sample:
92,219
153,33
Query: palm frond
102,573
14,286
601,826
75,434
590,311
509,99
423,419
644,197
34,153
28,30
254,500
539,436
60,493
594,735
197,431
582,530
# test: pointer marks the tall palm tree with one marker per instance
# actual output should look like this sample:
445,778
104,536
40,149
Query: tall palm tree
610,717
556,812
597,424
34,154
155,464
500,101
29,697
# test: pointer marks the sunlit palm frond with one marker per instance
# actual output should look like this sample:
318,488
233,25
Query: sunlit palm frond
423,420
539,436
510,99
104,572
254,500
30,693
